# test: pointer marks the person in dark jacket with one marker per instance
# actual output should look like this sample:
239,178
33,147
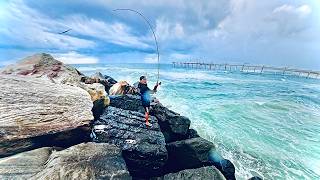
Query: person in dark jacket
145,91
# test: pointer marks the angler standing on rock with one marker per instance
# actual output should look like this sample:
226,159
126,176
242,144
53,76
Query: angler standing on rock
145,95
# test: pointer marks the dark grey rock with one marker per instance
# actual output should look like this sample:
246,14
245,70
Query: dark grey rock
127,102
208,172
226,168
189,153
110,79
192,133
143,147
255,178
173,126
107,81
98,75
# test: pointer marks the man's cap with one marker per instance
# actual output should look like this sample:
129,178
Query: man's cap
142,77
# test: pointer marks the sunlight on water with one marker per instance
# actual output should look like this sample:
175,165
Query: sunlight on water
267,125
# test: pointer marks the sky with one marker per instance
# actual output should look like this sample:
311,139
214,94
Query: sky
273,32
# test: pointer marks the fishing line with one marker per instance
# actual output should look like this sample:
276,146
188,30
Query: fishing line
150,26
154,35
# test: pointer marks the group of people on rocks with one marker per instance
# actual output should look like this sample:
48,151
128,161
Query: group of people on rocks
122,87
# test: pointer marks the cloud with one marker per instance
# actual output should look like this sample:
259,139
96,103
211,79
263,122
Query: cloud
151,58
167,30
30,28
264,32
25,27
290,20
116,33
301,11
179,56
258,32
75,58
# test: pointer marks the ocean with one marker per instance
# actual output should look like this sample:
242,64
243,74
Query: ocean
266,124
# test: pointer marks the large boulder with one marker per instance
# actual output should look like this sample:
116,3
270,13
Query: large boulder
107,81
44,66
189,153
208,172
97,75
143,147
122,88
100,76
24,165
32,107
255,178
173,126
127,102
224,165
192,134
96,90
83,161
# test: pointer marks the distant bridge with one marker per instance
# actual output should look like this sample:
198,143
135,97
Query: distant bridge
248,68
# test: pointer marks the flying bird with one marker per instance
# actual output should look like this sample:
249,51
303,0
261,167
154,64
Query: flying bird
65,31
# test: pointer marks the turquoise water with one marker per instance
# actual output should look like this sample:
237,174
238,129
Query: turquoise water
267,125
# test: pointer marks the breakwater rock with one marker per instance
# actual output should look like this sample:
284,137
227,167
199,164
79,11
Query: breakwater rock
144,148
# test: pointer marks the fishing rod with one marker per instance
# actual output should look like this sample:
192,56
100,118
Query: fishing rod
154,34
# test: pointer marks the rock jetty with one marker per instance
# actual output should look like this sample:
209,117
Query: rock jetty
56,123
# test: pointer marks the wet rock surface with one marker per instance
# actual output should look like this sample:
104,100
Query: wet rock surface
187,154
192,134
174,126
143,147
226,168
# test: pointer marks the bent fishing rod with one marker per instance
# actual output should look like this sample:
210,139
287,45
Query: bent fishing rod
154,34
150,26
